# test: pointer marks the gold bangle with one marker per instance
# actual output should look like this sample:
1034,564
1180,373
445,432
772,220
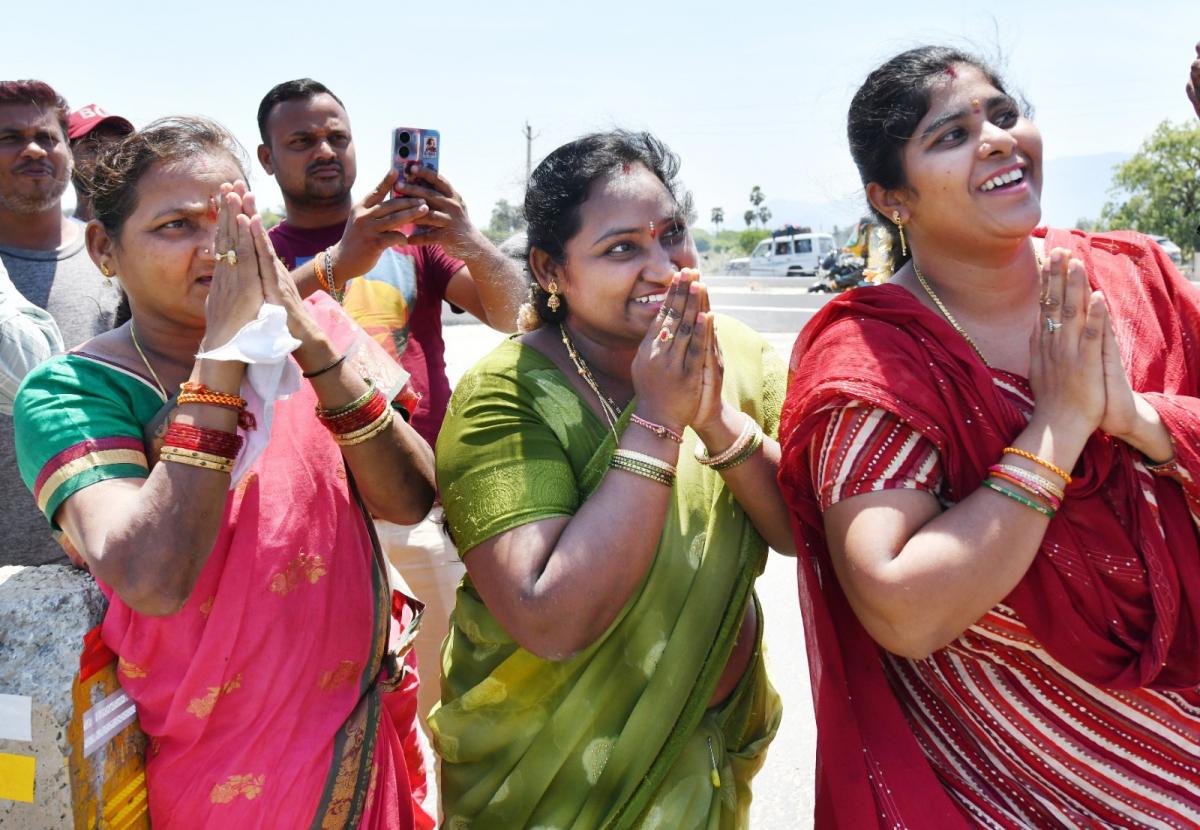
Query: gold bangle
369,428
368,432
641,457
212,458
1058,471
196,462
734,449
644,470
756,441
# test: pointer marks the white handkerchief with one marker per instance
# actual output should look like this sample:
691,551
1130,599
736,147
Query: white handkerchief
264,345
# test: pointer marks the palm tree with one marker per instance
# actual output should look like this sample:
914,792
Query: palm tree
757,197
764,216
749,217
718,218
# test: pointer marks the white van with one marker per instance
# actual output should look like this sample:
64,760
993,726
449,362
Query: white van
790,255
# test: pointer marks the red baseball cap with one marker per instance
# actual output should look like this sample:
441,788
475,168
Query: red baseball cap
87,118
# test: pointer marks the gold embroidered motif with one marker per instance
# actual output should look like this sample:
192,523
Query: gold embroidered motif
130,669
248,786
306,566
346,672
206,606
202,707
341,799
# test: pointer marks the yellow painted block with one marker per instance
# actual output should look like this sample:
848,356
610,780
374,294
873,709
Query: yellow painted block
16,776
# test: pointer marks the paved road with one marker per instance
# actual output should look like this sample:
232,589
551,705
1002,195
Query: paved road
784,789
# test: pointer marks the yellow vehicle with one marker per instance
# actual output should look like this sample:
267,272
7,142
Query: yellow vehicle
868,242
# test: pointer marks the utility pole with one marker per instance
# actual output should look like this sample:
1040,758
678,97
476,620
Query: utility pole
529,137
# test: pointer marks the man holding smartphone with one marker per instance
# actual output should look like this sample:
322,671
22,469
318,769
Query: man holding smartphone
394,283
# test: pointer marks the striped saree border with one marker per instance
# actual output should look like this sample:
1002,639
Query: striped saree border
83,457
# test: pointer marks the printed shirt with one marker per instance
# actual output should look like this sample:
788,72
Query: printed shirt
1017,739
399,303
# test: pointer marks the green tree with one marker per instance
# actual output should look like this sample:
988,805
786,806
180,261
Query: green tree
764,216
757,197
749,217
718,219
1158,190
506,220
750,237
272,216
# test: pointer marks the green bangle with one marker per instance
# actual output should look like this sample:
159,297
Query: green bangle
1033,505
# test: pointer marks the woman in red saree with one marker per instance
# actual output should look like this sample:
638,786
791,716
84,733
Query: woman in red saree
250,609
999,557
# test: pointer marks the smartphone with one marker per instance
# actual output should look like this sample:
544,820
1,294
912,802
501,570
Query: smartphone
414,147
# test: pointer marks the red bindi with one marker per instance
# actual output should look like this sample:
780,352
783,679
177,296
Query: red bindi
212,207
951,72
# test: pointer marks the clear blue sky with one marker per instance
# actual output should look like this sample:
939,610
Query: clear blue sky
747,93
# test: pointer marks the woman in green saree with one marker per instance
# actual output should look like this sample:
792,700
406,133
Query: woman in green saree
604,664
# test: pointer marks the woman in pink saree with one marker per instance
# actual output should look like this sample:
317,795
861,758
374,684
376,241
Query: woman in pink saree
250,608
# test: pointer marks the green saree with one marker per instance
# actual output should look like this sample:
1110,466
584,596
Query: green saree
619,735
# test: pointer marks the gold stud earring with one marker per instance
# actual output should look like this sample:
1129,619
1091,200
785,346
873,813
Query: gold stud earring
900,227
554,302
107,274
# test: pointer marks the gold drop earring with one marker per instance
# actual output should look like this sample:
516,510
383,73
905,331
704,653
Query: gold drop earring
900,227
107,275
554,302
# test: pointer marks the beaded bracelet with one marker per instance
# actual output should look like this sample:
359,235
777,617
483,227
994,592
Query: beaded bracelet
1031,477
756,440
1041,462
1017,497
735,449
622,461
658,429
368,432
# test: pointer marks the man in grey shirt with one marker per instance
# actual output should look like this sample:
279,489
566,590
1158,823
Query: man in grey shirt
44,254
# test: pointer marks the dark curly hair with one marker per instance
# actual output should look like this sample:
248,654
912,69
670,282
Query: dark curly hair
559,186
885,113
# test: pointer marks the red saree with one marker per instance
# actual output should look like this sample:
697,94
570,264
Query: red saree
1125,630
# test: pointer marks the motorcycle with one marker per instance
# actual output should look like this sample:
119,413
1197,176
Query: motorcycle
839,272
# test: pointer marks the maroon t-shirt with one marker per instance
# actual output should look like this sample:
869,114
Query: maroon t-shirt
399,303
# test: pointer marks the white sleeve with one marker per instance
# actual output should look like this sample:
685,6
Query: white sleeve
28,336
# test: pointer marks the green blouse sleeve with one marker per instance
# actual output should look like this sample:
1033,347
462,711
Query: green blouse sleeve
500,461
76,423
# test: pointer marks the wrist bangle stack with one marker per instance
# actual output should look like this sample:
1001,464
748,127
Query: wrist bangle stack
209,449
992,484
360,420
646,466
747,443
658,429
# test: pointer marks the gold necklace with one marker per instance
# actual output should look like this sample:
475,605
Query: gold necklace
607,404
937,301
133,336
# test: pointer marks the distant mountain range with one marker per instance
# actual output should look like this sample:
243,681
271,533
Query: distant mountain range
1074,187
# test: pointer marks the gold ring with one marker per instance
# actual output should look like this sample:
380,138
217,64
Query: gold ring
665,334
229,256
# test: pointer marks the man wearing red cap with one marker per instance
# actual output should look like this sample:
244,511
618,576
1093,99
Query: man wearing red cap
89,128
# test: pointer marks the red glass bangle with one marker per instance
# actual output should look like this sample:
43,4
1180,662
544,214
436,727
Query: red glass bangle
202,439
358,417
